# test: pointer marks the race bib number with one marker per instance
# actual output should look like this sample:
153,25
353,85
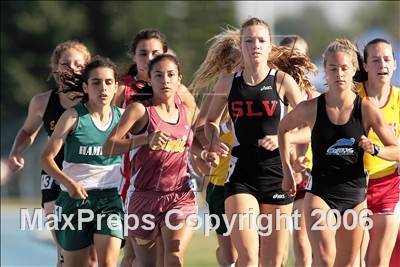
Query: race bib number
58,212
46,182
309,180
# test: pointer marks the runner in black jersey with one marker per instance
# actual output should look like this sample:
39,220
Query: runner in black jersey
257,99
44,110
54,110
260,109
339,120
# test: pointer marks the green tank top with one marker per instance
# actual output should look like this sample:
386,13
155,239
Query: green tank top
85,143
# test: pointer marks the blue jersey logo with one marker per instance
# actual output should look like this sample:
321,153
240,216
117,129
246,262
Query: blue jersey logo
342,147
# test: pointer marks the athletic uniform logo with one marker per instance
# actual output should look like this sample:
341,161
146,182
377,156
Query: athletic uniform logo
265,88
174,145
247,108
90,150
342,147
278,196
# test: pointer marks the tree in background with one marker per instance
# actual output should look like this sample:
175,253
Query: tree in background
30,31
385,14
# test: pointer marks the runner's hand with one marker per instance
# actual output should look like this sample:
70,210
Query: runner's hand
76,191
212,159
299,165
269,142
366,144
16,162
289,185
220,148
200,166
158,140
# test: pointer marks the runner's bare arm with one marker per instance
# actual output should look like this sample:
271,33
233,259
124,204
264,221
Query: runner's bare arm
187,98
28,132
303,114
64,126
216,108
133,119
288,89
374,119
118,99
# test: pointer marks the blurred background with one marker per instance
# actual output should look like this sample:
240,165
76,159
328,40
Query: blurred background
31,29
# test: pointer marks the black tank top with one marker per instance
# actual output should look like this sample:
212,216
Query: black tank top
337,158
255,112
53,112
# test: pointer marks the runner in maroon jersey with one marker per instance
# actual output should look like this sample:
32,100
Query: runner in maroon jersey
145,45
162,138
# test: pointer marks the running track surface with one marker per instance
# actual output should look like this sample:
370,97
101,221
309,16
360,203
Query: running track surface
23,248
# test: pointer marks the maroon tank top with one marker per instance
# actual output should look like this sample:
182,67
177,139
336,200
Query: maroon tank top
164,169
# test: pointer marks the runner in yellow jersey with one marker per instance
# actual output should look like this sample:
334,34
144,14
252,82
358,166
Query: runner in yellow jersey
223,56
383,197
301,243
215,194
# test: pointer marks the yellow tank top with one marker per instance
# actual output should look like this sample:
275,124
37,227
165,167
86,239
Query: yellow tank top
309,156
219,173
376,166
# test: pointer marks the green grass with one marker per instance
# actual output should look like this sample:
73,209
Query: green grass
201,251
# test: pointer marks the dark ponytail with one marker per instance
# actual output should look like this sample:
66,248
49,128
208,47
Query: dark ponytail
361,75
